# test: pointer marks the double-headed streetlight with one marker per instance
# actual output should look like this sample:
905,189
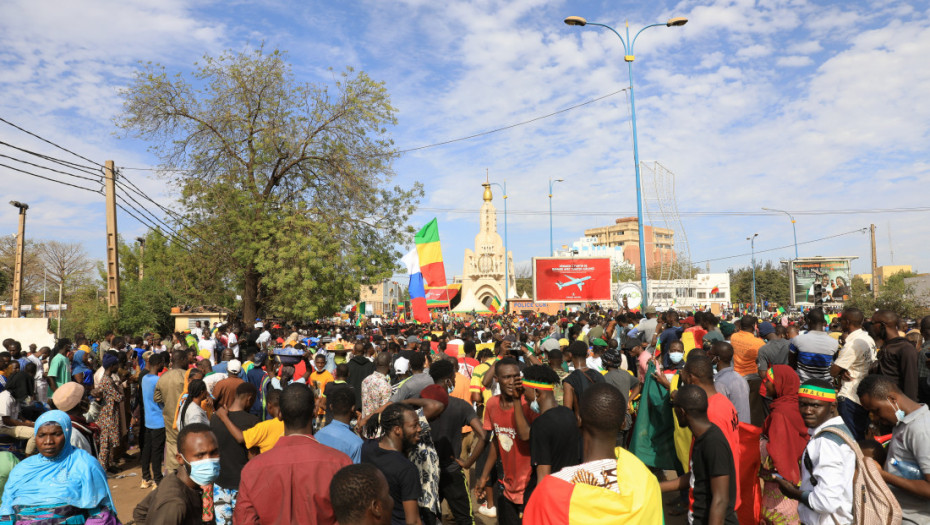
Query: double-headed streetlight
551,247
629,57
752,244
503,188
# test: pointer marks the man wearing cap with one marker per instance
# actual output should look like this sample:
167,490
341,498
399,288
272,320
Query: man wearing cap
224,392
827,465
69,399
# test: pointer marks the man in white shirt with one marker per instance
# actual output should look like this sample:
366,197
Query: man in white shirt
197,330
851,366
41,384
11,424
232,342
207,344
827,465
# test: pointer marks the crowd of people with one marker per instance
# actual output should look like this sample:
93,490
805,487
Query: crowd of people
580,417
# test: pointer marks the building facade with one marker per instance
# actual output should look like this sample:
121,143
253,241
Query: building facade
623,235
380,298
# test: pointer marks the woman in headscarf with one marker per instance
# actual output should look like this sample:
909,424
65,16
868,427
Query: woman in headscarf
60,484
109,421
80,372
784,437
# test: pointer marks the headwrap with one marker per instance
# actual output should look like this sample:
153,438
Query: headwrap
787,434
598,342
538,385
73,477
109,360
77,363
21,385
818,393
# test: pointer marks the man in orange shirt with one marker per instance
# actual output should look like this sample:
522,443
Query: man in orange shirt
745,351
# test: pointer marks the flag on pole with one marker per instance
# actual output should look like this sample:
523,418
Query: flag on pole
416,289
715,290
430,255
495,305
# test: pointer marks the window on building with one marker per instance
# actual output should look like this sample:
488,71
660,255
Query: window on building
702,295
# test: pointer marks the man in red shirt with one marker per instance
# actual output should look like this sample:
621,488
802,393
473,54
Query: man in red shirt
512,439
720,411
290,482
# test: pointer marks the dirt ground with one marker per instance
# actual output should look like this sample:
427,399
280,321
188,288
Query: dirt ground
126,494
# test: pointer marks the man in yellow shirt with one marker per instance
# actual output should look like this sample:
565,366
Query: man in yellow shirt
264,435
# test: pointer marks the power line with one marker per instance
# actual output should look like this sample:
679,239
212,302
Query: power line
49,169
451,141
61,162
142,208
747,213
133,188
148,224
47,141
100,192
860,230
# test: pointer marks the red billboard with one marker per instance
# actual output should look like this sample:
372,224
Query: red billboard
571,280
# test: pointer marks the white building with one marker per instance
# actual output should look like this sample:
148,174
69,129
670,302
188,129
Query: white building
586,247
688,293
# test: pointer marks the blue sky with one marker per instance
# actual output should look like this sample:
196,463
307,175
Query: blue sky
793,104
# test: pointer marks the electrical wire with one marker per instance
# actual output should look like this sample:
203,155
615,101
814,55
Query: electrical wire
152,226
100,192
135,189
50,169
860,230
747,213
61,162
46,140
142,209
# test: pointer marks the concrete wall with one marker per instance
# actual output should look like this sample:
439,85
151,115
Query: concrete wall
27,330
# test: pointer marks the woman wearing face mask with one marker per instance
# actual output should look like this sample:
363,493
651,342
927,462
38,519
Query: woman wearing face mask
555,439
186,494
60,484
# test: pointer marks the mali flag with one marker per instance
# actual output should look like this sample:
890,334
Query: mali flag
715,290
495,305
559,502
430,255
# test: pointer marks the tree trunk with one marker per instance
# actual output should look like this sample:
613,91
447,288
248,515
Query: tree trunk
250,295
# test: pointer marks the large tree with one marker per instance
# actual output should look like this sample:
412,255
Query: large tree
772,284
287,183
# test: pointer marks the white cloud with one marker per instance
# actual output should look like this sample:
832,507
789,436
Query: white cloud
794,61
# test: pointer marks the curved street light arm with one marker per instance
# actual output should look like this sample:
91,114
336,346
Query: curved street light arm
640,31
622,41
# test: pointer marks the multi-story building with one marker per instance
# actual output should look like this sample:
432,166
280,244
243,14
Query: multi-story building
624,235
882,273
380,298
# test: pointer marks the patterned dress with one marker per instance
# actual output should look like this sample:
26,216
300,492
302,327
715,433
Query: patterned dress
109,419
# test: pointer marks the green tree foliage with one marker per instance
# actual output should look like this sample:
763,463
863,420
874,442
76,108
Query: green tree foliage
287,185
895,295
772,284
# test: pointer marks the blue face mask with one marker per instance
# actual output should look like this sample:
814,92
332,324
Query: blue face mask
676,357
534,406
204,471
898,413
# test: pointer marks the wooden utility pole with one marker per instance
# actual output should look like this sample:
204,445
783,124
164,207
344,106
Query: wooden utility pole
18,265
874,263
112,239
141,256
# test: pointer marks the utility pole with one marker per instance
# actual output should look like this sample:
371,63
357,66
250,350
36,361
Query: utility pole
141,256
18,265
61,290
874,263
112,240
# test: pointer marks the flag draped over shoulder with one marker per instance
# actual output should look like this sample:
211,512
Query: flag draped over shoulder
653,432
416,289
556,501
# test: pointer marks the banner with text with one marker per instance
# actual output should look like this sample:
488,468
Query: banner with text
571,280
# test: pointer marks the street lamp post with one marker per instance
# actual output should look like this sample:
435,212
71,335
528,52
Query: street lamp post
506,253
793,228
18,259
551,246
629,57
141,241
752,244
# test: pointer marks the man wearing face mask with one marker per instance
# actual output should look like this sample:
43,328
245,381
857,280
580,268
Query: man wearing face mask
907,467
446,431
178,498
555,440
897,358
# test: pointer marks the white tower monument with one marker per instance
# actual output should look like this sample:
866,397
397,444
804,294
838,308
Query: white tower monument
483,269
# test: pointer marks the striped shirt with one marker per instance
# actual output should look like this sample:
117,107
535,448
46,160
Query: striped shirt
815,351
